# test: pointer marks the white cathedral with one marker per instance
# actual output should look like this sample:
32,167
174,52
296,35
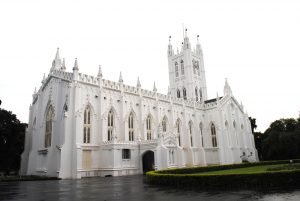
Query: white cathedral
86,126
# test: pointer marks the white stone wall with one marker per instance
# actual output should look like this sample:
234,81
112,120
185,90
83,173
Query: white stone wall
71,93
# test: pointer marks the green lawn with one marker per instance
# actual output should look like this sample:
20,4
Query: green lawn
246,170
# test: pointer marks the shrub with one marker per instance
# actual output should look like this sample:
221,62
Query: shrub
188,177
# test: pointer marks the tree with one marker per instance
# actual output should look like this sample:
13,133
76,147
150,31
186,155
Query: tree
281,140
253,124
12,133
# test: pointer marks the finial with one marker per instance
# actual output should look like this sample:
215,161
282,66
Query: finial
121,78
154,87
197,38
75,65
186,32
169,39
99,71
138,84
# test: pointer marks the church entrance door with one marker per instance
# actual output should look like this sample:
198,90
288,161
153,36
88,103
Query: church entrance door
148,161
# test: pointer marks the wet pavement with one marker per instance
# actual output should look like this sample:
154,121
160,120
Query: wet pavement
129,188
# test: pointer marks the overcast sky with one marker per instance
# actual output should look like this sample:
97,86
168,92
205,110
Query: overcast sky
255,44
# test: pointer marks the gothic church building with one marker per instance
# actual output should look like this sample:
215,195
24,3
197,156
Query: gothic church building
85,126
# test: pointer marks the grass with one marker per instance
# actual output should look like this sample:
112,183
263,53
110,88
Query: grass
247,170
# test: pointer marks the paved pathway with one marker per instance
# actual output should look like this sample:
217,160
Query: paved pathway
129,188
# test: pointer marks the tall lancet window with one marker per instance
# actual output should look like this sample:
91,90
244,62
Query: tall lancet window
200,94
213,135
49,123
196,93
201,133
87,125
130,127
176,69
178,93
182,67
148,128
164,124
184,93
191,133
110,125
178,132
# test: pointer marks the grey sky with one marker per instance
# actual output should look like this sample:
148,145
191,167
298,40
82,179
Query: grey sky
255,44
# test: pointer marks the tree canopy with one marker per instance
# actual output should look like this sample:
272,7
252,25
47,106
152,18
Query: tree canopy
12,133
280,141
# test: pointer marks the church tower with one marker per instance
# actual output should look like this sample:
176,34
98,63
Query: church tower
186,71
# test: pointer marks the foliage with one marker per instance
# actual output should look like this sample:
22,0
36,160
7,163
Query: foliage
281,140
253,124
12,133
189,179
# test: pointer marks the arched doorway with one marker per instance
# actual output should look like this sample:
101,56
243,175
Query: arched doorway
148,161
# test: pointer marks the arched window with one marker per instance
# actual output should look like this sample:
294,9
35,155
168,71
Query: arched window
178,131
226,124
198,68
87,125
164,124
148,128
234,124
213,135
130,127
184,93
178,93
201,96
191,133
110,125
194,66
201,133
176,69
196,93
182,67
242,126
49,123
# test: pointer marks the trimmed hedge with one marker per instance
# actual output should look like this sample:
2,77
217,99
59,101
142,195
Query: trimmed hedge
188,178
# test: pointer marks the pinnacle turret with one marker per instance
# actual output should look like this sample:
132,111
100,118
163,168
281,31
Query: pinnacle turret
186,42
121,78
99,71
170,48
56,63
227,89
75,68
138,83
154,88
63,66
198,47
